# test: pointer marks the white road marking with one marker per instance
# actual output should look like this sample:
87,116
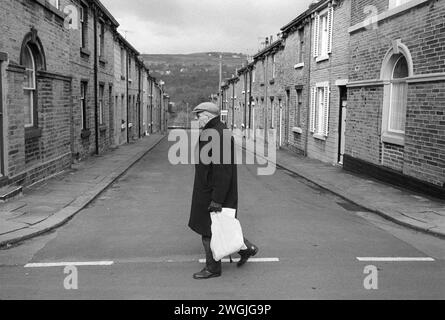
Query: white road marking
250,260
109,263
394,259
64,264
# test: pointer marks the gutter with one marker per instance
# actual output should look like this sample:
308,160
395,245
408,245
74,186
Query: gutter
308,113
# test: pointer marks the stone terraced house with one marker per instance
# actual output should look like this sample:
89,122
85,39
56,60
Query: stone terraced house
70,87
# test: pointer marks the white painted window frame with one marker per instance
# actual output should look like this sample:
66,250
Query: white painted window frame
387,135
322,53
396,3
55,3
320,127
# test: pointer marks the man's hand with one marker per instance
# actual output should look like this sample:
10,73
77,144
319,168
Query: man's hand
215,207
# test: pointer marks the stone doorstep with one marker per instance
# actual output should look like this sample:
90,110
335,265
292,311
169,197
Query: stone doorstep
10,192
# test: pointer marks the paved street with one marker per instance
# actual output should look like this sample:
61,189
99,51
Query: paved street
140,224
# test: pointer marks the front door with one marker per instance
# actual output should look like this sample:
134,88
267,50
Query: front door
342,123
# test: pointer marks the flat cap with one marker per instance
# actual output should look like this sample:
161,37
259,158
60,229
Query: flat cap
207,106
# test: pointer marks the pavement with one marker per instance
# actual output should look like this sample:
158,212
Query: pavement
49,204
404,207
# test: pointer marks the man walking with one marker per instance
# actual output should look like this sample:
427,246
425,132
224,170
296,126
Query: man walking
215,187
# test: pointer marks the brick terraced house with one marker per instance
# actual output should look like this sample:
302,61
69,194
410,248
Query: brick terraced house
395,127
356,83
37,100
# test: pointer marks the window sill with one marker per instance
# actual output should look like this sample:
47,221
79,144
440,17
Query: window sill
322,58
299,65
393,138
102,127
297,130
85,52
85,134
102,60
319,137
32,133
129,80
57,12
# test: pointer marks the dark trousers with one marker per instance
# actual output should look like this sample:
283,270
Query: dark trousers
211,264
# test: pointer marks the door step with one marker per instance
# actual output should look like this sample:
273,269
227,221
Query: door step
10,192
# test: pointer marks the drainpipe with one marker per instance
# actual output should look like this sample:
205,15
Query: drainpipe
250,100
233,104
151,106
139,102
128,98
96,102
4,57
309,89
245,100
266,113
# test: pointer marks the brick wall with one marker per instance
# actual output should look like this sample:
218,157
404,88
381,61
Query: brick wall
362,9
425,133
289,79
363,123
421,29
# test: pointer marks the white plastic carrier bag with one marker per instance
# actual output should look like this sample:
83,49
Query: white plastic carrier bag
227,235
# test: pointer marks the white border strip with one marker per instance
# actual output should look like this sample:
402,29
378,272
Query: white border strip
250,260
65,264
394,259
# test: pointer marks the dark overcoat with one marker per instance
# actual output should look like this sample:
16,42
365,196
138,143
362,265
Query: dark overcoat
213,181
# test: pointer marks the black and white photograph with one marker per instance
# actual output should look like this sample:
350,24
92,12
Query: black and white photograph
222,155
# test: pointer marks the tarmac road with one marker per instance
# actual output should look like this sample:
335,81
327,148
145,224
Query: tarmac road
140,226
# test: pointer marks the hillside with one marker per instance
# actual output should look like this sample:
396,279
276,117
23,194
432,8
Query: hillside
192,78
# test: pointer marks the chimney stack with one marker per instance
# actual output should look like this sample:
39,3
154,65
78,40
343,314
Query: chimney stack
267,41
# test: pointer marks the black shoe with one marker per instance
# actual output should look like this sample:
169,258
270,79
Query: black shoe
246,254
206,274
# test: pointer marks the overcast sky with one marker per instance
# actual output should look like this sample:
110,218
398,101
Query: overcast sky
188,26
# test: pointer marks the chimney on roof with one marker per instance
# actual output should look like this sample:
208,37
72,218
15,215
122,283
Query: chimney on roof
267,41
271,39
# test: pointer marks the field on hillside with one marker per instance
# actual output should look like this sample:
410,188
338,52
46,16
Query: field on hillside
192,78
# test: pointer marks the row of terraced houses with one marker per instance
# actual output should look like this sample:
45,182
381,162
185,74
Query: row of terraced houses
70,87
355,83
